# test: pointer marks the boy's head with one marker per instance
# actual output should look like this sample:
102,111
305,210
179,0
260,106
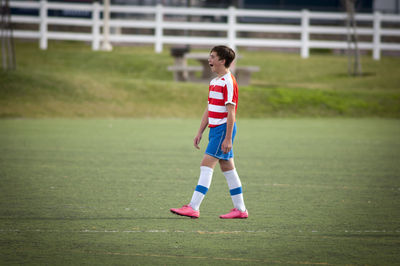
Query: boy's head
224,53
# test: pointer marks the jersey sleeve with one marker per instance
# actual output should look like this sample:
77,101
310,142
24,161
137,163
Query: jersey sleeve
229,92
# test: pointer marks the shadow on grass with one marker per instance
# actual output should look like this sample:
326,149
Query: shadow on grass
346,75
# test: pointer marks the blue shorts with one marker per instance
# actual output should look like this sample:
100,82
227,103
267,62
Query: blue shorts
215,138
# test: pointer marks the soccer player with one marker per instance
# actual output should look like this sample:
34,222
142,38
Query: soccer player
220,117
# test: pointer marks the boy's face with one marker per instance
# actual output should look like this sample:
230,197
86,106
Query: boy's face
215,63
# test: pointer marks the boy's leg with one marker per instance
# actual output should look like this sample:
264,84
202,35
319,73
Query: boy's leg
235,186
206,171
209,161
227,165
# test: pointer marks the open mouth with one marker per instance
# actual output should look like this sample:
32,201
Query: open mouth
211,65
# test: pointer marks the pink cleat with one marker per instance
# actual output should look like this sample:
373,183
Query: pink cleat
186,210
235,214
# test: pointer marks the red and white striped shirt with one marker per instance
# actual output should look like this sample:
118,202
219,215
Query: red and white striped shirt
222,91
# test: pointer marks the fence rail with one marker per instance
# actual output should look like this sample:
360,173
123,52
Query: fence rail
232,26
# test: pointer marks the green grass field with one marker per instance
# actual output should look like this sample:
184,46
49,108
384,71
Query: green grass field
75,192
70,80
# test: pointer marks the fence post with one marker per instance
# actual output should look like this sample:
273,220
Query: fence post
305,37
43,24
377,36
95,26
105,44
232,27
159,29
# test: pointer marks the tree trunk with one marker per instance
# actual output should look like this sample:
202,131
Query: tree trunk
7,40
353,52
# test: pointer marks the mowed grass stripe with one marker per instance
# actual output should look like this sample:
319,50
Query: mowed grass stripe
221,232
245,260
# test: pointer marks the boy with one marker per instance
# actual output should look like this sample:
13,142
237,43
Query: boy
220,117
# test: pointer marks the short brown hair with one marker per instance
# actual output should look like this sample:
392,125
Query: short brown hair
224,52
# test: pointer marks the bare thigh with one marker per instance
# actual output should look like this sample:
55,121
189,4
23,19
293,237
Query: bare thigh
227,165
209,161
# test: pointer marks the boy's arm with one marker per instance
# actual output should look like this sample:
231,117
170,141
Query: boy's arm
203,126
227,143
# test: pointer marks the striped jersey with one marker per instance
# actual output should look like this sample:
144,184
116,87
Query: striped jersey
222,91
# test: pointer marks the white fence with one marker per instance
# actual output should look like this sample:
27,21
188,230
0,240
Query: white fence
227,26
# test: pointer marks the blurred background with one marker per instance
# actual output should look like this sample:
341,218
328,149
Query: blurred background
340,56
100,101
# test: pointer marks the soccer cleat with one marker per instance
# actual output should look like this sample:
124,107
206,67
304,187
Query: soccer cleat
235,214
186,210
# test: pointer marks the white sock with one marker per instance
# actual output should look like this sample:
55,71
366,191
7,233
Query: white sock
235,189
202,187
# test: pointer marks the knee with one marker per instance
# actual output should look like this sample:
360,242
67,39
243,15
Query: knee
209,161
226,165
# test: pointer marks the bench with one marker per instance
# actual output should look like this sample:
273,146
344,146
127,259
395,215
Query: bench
188,73
185,73
202,58
243,74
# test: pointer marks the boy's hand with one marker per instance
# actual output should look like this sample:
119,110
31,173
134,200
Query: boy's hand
196,141
226,145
